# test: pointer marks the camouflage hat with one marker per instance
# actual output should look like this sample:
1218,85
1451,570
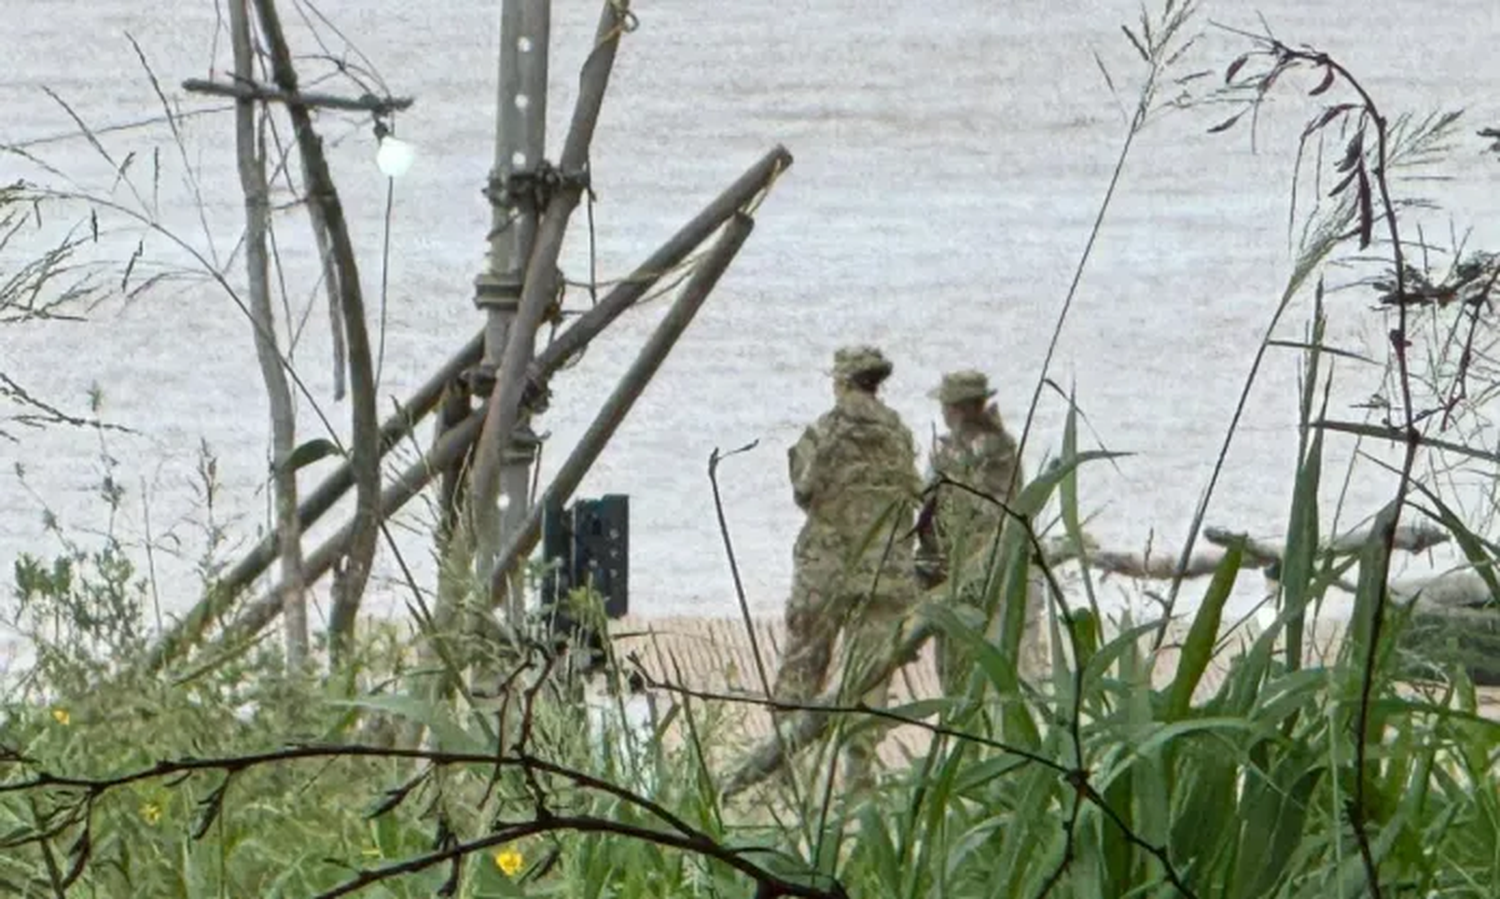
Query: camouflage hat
963,386
851,361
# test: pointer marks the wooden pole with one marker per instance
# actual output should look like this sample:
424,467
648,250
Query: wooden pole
457,441
246,88
503,416
323,497
734,198
694,292
756,179
480,622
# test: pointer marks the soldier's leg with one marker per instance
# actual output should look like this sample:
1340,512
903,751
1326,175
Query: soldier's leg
811,627
955,664
873,635
1036,660
807,651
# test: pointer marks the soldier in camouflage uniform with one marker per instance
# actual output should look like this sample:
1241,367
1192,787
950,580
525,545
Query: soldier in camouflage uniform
980,453
854,473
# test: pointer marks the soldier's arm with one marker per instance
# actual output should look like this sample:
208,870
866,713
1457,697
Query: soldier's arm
928,563
1000,466
821,463
802,467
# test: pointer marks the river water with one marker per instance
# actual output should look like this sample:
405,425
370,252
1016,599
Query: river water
949,163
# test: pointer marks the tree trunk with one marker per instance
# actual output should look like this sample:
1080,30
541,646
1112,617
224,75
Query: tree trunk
364,451
252,168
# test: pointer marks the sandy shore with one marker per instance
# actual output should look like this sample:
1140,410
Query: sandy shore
715,655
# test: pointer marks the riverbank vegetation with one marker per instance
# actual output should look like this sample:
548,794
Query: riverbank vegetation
1296,770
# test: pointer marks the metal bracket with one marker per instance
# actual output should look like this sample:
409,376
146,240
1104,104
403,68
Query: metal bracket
523,446
480,381
533,188
494,292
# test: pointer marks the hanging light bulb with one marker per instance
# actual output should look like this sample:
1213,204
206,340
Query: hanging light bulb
394,156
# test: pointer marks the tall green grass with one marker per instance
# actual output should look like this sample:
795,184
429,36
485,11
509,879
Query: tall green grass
1155,758
1106,779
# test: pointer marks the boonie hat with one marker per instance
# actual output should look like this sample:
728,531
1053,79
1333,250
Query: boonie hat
963,386
850,361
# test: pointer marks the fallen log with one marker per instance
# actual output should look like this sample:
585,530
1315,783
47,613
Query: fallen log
1439,637
1413,538
1462,589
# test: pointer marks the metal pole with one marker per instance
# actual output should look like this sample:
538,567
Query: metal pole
505,419
520,138
520,145
694,292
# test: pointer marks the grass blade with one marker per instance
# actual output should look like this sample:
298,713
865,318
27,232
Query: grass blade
1204,634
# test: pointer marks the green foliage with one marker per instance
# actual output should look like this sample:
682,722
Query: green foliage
263,831
1247,772
1233,777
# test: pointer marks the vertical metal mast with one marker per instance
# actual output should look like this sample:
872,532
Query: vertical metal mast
520,145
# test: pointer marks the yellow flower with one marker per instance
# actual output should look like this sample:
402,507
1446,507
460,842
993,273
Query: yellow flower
61,716
509,861
151,812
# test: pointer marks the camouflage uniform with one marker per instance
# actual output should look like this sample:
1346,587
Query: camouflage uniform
854,473
980,454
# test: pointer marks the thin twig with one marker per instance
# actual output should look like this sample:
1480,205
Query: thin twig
739,587
252,170
249,90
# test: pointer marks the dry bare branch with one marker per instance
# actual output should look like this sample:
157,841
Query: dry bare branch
252,169
246,89
364,453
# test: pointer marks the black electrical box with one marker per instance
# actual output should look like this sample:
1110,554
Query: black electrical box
586,545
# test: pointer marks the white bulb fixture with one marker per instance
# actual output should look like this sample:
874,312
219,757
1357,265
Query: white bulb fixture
394,156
